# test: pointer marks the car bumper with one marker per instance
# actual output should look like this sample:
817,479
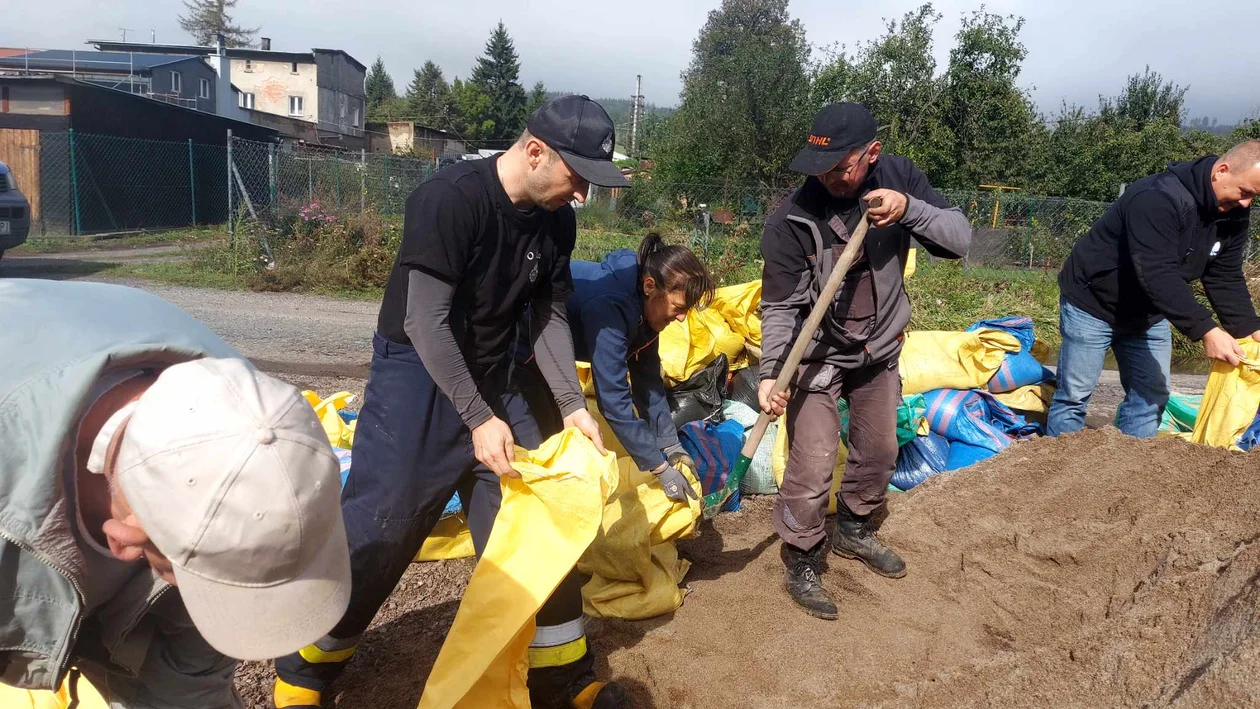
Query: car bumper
18,231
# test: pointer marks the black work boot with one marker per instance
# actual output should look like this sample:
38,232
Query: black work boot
855,539
573,686
804,582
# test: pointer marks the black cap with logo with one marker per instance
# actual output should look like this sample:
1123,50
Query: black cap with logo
581,131
838,128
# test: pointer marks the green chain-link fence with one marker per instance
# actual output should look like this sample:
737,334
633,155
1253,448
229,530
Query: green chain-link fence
92,184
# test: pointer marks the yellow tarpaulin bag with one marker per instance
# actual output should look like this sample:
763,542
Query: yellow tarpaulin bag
340,433
87,696
548,518
738,305
952,360
1230,399
778,463
1035,398
450,539
689,346
633,562
911,263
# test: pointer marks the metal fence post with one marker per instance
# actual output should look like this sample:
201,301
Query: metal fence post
337,167
231,213
74,187
310,181
271,178
388,201
362,180
192,183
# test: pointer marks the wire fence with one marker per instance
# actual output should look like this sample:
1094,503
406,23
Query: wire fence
90,184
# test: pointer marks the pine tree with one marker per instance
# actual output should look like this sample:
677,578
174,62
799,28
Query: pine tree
379,88
429,97
497,76
206,18
537,98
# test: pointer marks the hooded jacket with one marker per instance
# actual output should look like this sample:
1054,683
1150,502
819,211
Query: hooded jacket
1135,266
59,338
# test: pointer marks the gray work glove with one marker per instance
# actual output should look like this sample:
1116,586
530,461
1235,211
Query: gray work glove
676,454
675,484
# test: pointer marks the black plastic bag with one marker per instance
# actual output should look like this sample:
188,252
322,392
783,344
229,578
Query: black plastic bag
744,387
700,397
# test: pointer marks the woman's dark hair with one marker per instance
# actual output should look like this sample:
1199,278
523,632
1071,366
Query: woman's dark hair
675,268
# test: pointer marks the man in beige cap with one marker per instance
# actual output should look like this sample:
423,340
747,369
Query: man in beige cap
164,506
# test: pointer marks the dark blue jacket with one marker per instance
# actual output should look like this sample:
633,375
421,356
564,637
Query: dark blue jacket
1135,266
606,317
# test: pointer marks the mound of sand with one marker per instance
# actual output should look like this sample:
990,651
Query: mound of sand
1090,571
1093,570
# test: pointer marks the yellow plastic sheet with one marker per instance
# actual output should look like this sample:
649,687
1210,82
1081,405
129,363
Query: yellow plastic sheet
1035,398
633,562
1230,399
911,263
340,434
738,305
450,539
548,518
88,697
952,360
689,346
778,463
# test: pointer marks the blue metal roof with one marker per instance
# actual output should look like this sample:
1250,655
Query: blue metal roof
87,61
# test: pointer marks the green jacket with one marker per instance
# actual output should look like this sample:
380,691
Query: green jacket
58,337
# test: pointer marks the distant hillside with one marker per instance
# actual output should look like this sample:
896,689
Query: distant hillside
619,109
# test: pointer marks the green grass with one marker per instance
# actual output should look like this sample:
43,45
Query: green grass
38,246
943,294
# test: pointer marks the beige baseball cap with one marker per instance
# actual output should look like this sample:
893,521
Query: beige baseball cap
230,474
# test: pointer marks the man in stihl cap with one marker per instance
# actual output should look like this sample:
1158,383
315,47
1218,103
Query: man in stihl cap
165,508
854,354
481,241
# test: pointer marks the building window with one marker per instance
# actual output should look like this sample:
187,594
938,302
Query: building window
249,65
177,83
295,105
293,67
205,88
355,124
247,101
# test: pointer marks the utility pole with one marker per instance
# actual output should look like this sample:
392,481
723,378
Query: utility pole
636,107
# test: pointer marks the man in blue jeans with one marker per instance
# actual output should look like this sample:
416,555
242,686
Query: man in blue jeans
1129,278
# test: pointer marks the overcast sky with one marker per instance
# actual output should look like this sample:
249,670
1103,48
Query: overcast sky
1077,49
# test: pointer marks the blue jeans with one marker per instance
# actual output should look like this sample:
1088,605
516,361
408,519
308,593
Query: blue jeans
1144,358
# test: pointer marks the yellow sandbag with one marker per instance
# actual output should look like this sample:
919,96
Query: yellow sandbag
738,305
548,517
88,696
1034,397
689,346
1230,399
911,259
340,433
952,360
633,562
779,456
611,443
450,539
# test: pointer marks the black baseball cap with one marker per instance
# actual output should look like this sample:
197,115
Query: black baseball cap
581,131
838,128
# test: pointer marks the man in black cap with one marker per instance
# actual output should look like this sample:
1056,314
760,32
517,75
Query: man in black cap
854,354
481,241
